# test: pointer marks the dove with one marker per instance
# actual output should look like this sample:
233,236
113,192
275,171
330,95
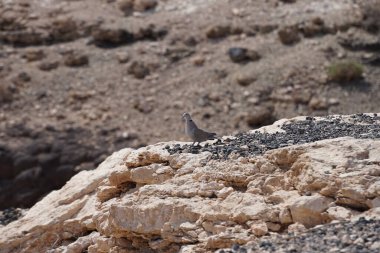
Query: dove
196,134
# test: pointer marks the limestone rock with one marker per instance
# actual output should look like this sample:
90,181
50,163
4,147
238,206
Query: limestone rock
259,228
309,210
149,200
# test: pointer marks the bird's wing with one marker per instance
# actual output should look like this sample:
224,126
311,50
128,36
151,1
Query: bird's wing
201,135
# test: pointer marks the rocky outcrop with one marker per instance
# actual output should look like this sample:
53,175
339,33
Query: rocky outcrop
153,201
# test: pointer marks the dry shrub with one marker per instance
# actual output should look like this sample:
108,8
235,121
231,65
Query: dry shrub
345,71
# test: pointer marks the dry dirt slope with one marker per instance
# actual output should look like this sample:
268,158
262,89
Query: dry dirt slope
94,76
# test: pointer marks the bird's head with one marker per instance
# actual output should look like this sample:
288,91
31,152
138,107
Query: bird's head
186,116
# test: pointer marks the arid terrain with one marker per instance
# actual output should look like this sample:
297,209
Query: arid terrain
81,79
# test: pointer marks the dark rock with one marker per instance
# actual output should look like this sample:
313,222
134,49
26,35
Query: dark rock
111,36
150,32
48,65
40,94
37,146
289,35
144,5
178,53
73,154
138,69
359,42
48,161
240,55
64,29
371,14
143,106
315,27
26,37
126,6
6,93
26,197
6,163
260,116
218,31
267,28
27,178
62,174
32,54
21,78
19,130
75,59
22,161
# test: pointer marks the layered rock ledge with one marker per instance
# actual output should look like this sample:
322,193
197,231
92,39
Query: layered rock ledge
153,200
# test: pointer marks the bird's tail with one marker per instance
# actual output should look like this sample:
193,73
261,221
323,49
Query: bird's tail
212,136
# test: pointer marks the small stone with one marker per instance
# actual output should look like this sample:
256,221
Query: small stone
48,65
75,59
288,35
260,116
240,55
144,5
111,36
333,101
275,227
32,54
198,60
296,228
25,77
244,79
123,57
126,6
138,70
259,228
317,103
218,31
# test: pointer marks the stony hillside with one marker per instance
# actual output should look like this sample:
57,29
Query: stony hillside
81,79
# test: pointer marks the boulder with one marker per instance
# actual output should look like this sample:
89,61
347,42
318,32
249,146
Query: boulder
150,200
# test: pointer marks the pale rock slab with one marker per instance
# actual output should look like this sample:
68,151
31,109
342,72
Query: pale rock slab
149,200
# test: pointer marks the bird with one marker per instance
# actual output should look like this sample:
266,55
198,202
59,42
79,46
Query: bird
196,134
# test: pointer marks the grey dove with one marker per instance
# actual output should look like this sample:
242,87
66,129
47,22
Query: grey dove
196,134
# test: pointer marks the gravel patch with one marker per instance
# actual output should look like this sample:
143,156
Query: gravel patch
361,236
361,126
10,214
